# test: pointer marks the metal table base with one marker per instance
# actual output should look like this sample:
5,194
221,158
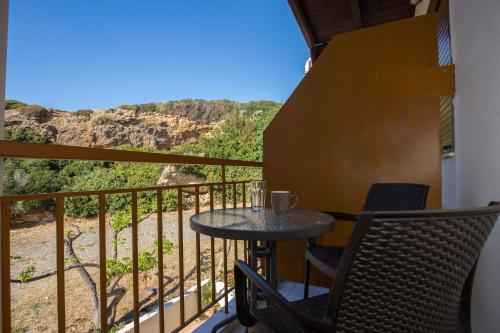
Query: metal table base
256,252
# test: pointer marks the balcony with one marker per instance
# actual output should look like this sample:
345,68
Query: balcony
373,108
198,286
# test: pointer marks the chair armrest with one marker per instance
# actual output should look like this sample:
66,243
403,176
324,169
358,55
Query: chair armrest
242,272
343,216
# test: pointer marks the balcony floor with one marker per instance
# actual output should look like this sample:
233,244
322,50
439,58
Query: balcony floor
291,290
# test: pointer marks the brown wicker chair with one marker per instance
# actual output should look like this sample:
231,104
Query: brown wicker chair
401,272
381,197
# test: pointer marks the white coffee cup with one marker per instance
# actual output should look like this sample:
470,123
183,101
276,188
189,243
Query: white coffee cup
280,201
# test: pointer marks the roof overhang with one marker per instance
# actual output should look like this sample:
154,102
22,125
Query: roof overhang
320,20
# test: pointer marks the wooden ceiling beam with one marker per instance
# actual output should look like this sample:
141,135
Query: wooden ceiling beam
356,14
305,26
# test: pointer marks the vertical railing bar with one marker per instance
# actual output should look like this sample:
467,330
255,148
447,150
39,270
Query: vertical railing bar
61,304
211,191
212,248
135,261
159,234
244,195
102,263
245,250
212,270
235,203
226,308
263,260
198,263
235,250
223,186
181,253
5,245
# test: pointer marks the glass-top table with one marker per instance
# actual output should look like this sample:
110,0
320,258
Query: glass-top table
244,224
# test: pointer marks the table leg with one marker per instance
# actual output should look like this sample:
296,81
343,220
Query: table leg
268,264
253,265
273,266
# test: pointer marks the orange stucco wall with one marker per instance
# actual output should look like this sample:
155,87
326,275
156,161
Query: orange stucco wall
367,112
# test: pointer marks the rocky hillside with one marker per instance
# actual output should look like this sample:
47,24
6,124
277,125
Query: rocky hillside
156,125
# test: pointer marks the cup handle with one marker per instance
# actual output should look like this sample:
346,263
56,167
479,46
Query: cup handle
296,201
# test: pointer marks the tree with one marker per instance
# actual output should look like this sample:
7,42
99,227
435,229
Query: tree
239,137
116,269
25,135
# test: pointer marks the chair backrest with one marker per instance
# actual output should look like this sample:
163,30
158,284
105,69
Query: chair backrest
396,196
407,271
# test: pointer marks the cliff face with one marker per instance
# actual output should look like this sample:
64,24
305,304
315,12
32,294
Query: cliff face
109,128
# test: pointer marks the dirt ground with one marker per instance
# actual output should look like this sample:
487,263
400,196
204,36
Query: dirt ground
34,307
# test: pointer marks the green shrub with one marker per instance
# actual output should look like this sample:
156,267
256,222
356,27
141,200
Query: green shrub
27,274
25,135
104,120
206,294
237,138
13,104
168,246
83,112
132,107
114,176
146,260
205,111
118,266
35,111
31,176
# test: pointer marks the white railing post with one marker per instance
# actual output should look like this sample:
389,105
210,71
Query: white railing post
4,21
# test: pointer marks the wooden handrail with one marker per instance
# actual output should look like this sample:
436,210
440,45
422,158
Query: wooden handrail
86,193
61,152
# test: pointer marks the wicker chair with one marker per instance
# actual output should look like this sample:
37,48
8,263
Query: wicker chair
400,272
381,197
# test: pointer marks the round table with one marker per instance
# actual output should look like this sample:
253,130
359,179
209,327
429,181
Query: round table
245,224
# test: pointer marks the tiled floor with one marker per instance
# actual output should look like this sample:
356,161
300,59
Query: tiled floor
291,290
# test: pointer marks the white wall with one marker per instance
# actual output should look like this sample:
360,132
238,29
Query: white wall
473,177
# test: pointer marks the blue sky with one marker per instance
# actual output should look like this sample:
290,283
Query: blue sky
103,53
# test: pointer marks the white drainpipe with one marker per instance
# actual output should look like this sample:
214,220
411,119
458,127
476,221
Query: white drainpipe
4,20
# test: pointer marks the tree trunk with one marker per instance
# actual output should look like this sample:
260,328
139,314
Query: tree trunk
114,253
94,300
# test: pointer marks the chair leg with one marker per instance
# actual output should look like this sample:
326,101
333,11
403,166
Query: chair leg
306,279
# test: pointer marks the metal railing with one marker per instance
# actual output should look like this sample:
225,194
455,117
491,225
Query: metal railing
57,152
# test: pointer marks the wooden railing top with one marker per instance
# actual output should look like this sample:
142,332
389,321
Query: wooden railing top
14,149
85,193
